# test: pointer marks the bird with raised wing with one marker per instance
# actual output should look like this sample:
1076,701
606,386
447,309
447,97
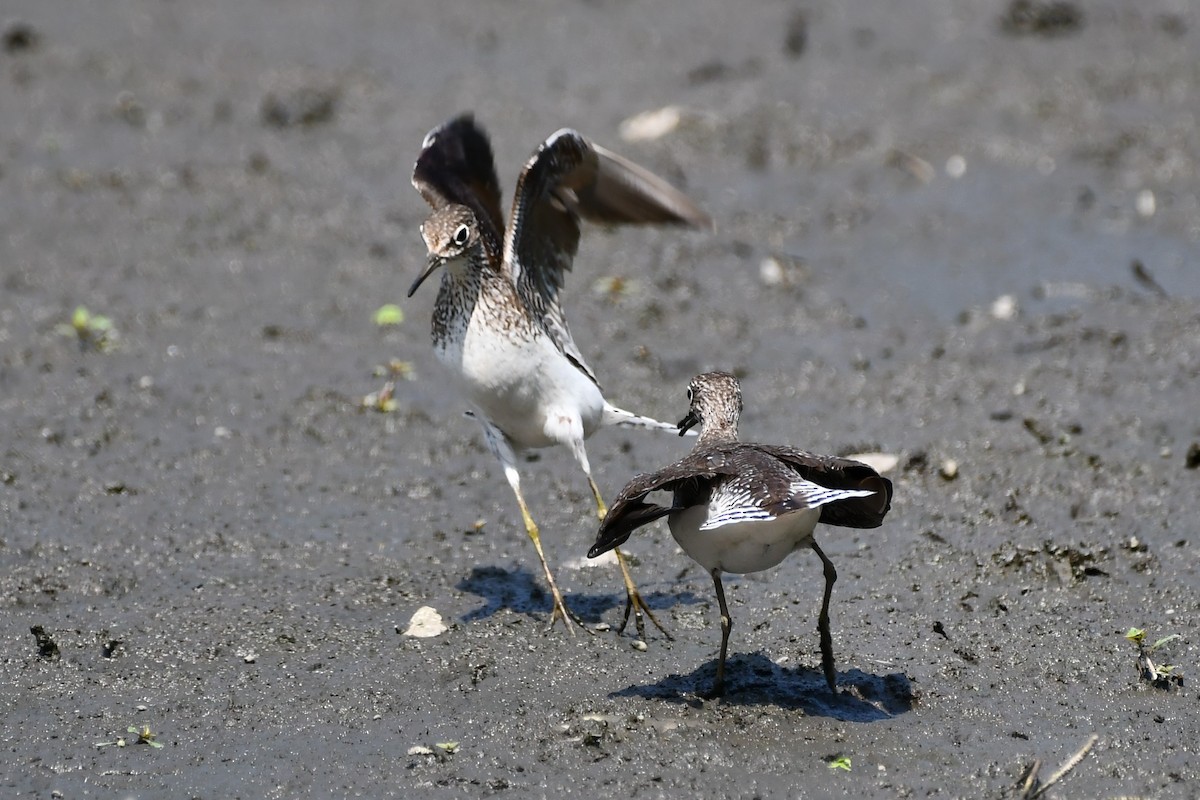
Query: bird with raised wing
498,322
740,507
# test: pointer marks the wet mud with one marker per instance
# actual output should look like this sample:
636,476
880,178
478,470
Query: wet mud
965,236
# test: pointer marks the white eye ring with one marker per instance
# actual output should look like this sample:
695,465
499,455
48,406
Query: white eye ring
461,234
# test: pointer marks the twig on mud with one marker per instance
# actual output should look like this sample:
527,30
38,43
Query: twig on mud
1028,781
1031,788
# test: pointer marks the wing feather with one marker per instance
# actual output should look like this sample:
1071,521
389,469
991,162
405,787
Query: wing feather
456,166
567,180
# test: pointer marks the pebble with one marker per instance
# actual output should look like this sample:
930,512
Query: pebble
949,469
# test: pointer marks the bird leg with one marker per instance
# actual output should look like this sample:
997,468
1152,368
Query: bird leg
500,446
718,687
823,621
633,598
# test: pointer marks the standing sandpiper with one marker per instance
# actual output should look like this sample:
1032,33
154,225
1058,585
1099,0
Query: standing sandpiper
498,323
742,507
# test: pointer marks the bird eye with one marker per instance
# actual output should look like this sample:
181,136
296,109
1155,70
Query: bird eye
461,235
689,395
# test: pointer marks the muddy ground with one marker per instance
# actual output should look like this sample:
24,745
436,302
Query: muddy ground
952,233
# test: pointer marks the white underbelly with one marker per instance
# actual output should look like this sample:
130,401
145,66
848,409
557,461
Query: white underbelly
525,387
742,547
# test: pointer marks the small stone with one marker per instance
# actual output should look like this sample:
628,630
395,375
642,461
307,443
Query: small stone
19,36
949,469
1192,460
420,750
795,39
639,645
305,106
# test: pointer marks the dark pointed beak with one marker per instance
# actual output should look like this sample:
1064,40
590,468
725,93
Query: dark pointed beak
687,422
433,263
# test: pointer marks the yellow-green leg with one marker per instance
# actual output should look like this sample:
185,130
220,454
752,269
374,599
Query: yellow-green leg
560,607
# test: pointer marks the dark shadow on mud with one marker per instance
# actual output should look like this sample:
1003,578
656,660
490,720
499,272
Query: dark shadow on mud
521,591
754,680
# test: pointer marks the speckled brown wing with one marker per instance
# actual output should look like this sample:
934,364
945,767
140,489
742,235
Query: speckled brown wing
690,480
762,473
456,166
840,473
566,180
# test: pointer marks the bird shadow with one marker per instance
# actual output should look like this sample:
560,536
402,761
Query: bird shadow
521,591
755,680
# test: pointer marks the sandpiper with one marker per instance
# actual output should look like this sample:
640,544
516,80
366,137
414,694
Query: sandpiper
498,323
741,507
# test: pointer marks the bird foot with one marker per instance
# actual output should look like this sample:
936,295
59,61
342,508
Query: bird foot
635,605
570,618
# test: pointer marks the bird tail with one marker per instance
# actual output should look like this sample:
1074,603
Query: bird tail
627,419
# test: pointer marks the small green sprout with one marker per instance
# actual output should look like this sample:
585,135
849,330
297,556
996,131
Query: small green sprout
383,401
615,287
840,762
92,330
389,314
447,747
1138,637
395,369
144,735
1162,676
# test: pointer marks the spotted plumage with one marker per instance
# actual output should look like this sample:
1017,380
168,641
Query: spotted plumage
740,507
498,322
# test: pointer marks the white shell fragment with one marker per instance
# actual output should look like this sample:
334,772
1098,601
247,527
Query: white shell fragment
1004,307
582,562
1145,204
650,125
425,623
880,462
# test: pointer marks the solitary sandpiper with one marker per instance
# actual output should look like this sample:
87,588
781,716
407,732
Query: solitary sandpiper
498,323
740,507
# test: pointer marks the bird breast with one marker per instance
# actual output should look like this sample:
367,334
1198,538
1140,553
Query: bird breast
521,382
741,547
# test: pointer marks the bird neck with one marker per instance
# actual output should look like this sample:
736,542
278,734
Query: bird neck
720,433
